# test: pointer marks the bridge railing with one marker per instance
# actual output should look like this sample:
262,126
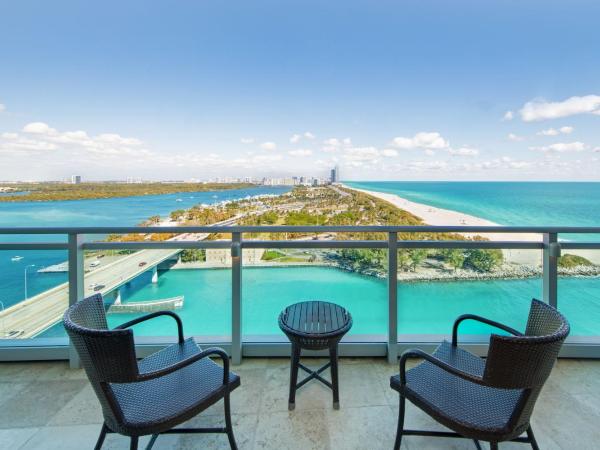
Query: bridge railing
76,240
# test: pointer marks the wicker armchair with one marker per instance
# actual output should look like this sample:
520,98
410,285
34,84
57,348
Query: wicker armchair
485,400
152,396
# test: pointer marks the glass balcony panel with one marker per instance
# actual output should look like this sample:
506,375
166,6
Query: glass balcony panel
279,278
432,293
33,292
579,293
199,291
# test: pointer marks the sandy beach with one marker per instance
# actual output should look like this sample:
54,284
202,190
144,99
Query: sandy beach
439,216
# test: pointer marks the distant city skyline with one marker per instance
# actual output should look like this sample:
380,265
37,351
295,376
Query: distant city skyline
427,90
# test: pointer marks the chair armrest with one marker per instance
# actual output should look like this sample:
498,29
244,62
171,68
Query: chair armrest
145,376
152,316
415,353
493,323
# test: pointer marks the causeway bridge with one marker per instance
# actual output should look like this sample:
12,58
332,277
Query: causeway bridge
36,314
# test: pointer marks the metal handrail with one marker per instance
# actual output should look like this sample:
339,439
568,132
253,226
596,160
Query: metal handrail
302,229
77,244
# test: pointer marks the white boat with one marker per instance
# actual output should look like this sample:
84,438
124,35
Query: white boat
16,258
179,200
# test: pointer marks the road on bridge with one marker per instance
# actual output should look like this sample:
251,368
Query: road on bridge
36,314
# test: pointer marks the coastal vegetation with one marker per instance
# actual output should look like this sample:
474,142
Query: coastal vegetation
193,255
568,261
270,255
44,192
334,206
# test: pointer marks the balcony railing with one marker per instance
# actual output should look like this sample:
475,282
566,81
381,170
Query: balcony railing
76,240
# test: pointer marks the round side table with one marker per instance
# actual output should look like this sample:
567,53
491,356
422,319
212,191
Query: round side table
314,325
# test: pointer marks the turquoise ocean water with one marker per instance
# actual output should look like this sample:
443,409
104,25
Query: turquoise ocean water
506,203
424,308
126,211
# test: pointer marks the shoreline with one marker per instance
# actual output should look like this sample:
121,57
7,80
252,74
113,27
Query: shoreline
432,215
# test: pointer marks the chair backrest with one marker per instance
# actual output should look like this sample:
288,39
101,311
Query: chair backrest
108,356
525,362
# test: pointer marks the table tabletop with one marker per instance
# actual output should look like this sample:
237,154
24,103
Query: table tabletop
315,318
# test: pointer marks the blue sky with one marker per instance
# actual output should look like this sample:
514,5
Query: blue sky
386,90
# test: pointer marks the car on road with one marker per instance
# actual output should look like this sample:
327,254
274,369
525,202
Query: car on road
94,263
142,264
97,287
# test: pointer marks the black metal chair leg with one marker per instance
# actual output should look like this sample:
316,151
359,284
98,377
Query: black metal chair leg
333,356
530,435
493,446
477,444
101,438
400,430
294,376
228,424
134,443
151,442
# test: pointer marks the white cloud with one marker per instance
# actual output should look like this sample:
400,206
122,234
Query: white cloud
427,165
247,140
555,132
389,152
361,154
464,151
515,138
39,128
40,137
301,152
429,152
508,115
549,132
561,147
537,110
422,140
297,137
334,144
111,138
268,146
2,107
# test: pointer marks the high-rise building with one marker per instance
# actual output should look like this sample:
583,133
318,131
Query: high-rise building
335,175
75,179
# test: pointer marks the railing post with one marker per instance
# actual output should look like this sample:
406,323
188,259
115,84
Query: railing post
236,297
76,283
550,267
392,345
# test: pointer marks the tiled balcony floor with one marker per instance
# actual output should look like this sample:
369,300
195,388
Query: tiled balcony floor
48,406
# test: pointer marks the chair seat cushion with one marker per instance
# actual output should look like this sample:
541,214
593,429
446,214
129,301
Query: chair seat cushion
160,404
468,408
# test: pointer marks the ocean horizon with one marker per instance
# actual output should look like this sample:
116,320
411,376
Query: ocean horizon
516,203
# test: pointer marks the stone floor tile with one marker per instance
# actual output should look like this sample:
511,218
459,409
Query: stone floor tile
38,402
14,438
292,430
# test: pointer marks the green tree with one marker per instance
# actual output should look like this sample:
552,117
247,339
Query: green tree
483,260
455,257
417,256
403,260
569,260
177,214
193,255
